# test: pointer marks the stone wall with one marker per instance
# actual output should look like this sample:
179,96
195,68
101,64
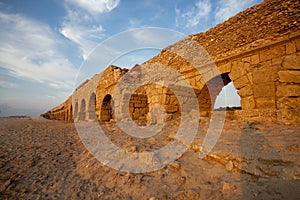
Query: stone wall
251,28
139,106
84,100
61,112
258,50
105,86
266,77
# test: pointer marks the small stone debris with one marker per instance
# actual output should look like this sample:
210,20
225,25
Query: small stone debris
175,165
229,166
228,187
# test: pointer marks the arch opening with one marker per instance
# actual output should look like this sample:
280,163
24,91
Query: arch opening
106,113
228,99
217,95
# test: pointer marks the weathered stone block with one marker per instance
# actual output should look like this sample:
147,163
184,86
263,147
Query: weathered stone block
144,110
171,109
135,115
265,74
155,99
225,67
266,103
247,59
192,81
237,71
241,82
250,77
254,59
290,76
277,60
275,52
288,116
248,103
264,90
266,63
286,102
247,66
166,99
150,92
290,48
139,105
291,61
246,91
297,43
284,90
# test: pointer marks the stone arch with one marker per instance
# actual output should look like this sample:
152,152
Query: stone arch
160,104
82,110
92,107
106,113
210,91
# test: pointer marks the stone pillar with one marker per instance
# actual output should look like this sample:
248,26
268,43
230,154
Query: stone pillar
92,115
81,116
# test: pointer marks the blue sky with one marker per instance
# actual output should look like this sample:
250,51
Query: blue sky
44,42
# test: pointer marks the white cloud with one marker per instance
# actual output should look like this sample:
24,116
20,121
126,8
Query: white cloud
95,6
81,24
29,49
229,8
193,17
84,36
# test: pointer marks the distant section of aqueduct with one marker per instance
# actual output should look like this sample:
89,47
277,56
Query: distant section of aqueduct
258,50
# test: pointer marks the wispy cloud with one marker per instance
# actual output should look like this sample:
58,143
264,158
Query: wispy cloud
134,23
30,49
84,36
81,24
228,8
95,6
155,37
7,84
193,16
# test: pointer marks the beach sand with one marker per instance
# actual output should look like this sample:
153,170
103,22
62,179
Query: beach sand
44,159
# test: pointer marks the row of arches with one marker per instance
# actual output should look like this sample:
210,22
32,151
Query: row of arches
267,87
64,113
140,103
210,96
84,112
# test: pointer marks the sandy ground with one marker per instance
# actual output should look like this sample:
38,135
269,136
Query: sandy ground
43,159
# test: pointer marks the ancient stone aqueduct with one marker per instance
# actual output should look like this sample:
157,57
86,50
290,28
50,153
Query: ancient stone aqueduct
258,50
